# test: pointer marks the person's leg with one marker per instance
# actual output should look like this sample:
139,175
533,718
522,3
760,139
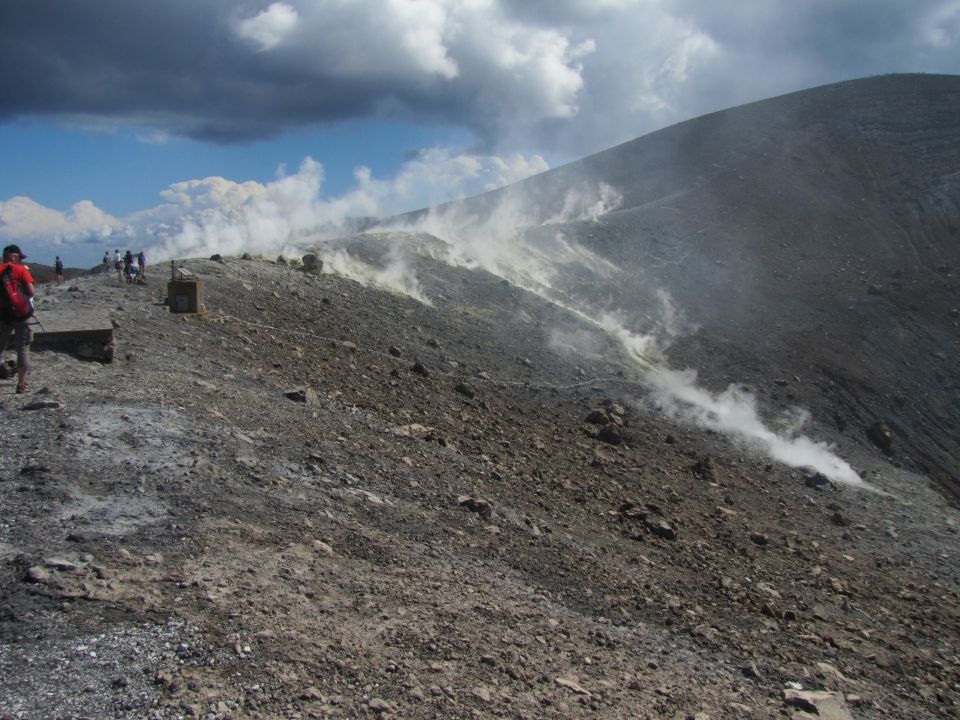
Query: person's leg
22,332
5,332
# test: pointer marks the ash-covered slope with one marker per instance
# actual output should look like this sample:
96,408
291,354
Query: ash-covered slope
324,500
814,240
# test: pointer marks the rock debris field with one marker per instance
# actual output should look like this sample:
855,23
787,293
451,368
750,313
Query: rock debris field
319,499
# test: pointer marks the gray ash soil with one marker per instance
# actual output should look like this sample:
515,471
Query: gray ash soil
183,537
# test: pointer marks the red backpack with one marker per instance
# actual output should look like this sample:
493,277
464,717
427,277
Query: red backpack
14,305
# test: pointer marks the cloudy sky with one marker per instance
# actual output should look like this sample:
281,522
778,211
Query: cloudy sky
125,124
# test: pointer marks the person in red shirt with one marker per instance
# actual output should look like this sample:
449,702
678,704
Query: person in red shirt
12,255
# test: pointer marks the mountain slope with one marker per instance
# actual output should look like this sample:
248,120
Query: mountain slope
324,499
813,238
321,499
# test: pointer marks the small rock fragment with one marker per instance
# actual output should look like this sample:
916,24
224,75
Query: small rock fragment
465,389
323,548
311,263
660,527
881,436
306,395
610,435
38,574
818,480
597,417
379,705
573,685
483,508
44,405
827,705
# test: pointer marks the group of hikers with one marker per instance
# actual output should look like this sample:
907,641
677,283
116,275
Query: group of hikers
124,265
17,288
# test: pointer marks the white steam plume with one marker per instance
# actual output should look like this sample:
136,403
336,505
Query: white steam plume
734,412
396,275
551,266
515,240
496,242
290,216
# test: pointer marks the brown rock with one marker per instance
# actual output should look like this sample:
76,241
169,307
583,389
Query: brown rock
597,417
483,508
306,395
610,435
660,527
827,705
465,389
881,436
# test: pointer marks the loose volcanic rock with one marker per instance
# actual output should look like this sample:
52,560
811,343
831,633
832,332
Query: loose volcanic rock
660,526
610,435
402,549
483,508
306,395
597,417
818,480
465,389
881,436
311,263
827,705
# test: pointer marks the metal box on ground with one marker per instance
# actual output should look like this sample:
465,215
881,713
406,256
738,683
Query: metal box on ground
185,292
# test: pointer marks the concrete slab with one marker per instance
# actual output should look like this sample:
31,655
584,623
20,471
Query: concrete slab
85,334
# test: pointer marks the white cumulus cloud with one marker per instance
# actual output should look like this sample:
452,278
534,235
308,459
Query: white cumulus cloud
206,215
21,217
270,27
48,231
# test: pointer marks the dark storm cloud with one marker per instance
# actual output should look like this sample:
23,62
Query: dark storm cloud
233,70
175,65
566,75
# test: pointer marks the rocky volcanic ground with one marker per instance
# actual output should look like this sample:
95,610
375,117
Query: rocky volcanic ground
322,500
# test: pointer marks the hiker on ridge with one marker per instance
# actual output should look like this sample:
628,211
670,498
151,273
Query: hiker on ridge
128,266
142,265
17,299
58,269
118,264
